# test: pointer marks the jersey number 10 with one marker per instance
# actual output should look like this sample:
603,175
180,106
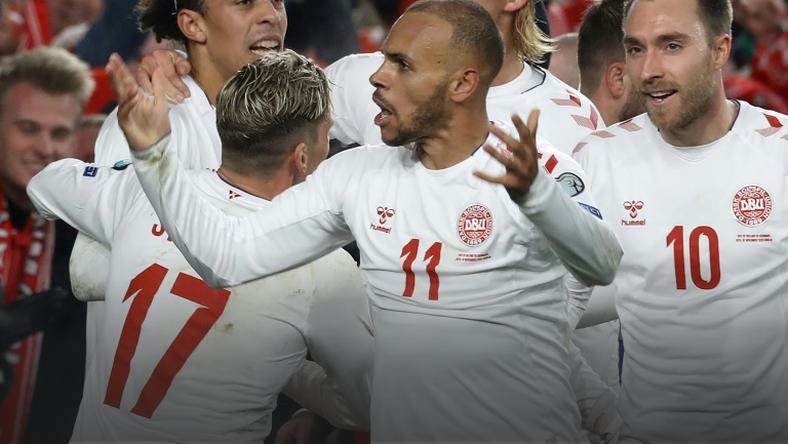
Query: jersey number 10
676,237
143,288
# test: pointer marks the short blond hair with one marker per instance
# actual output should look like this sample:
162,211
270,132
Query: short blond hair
529,41
52,70
267,107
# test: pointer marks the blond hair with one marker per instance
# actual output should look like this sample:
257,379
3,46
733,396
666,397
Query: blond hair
269,106
529,41
52,70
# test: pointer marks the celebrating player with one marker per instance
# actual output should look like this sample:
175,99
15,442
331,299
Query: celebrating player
465,276
175,360
696,184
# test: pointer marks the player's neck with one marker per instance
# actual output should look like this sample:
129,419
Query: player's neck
605,104
512,65
455,143
207,75
712,125
266,187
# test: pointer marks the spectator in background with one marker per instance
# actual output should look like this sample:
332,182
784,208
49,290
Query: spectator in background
115,30
563,63
70,20
767,21
323,30
86,134
601,58
42,93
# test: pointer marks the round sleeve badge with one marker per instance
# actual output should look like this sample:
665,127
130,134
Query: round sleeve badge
475,225
752,205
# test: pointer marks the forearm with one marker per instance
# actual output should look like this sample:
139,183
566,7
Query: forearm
226,250
311,388
596,401
584,243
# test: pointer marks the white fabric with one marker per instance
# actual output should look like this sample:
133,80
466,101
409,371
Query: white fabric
227,387
700,364
566,117
505,294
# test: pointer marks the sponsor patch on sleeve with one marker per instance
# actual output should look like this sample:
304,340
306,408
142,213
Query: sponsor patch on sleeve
121,165
571,184
593,210
90,171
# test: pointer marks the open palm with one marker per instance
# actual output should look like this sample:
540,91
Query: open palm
144,119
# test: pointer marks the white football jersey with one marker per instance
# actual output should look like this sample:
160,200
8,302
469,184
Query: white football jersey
176,360
701,291
566,117
466,286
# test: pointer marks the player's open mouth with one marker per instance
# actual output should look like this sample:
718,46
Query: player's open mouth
385,112
659,97
263,46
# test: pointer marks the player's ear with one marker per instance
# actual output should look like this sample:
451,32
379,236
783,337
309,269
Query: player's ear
515,5
464,84
614,79
300,157
721,50
192,25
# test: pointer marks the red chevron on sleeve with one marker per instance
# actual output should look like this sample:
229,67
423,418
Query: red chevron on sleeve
573,101
579,147
590,122
604,134
630,126
772,129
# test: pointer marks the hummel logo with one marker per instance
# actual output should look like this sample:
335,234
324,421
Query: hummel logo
385,213
232,195
633,207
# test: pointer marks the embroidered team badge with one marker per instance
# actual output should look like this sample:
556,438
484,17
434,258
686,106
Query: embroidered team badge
475,225
752,205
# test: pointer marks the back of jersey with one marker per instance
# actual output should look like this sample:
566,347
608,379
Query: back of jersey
176,360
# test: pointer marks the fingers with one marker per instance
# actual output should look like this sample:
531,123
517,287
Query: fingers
122,81
167,60
159,86
172,65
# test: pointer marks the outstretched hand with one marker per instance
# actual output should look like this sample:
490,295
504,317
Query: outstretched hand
143,118
521,159
173,65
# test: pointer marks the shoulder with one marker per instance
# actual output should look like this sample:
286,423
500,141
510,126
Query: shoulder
761,124
354,66
369,157
616,137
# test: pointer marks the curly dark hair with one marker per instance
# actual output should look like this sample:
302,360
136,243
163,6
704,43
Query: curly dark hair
161,17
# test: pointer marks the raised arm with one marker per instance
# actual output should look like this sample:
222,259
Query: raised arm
585,244
302,224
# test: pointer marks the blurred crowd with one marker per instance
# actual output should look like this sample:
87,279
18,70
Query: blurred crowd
326,30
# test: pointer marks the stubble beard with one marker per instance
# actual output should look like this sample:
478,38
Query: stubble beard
428,118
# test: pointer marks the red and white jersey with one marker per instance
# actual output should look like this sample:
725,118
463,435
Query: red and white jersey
701,291
175,360
567,116
466,286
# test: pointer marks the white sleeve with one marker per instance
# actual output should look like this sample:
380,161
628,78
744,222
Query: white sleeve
111,144
351,98
586,245
339,332
87,197
596,401
301,224
312,389
601,307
